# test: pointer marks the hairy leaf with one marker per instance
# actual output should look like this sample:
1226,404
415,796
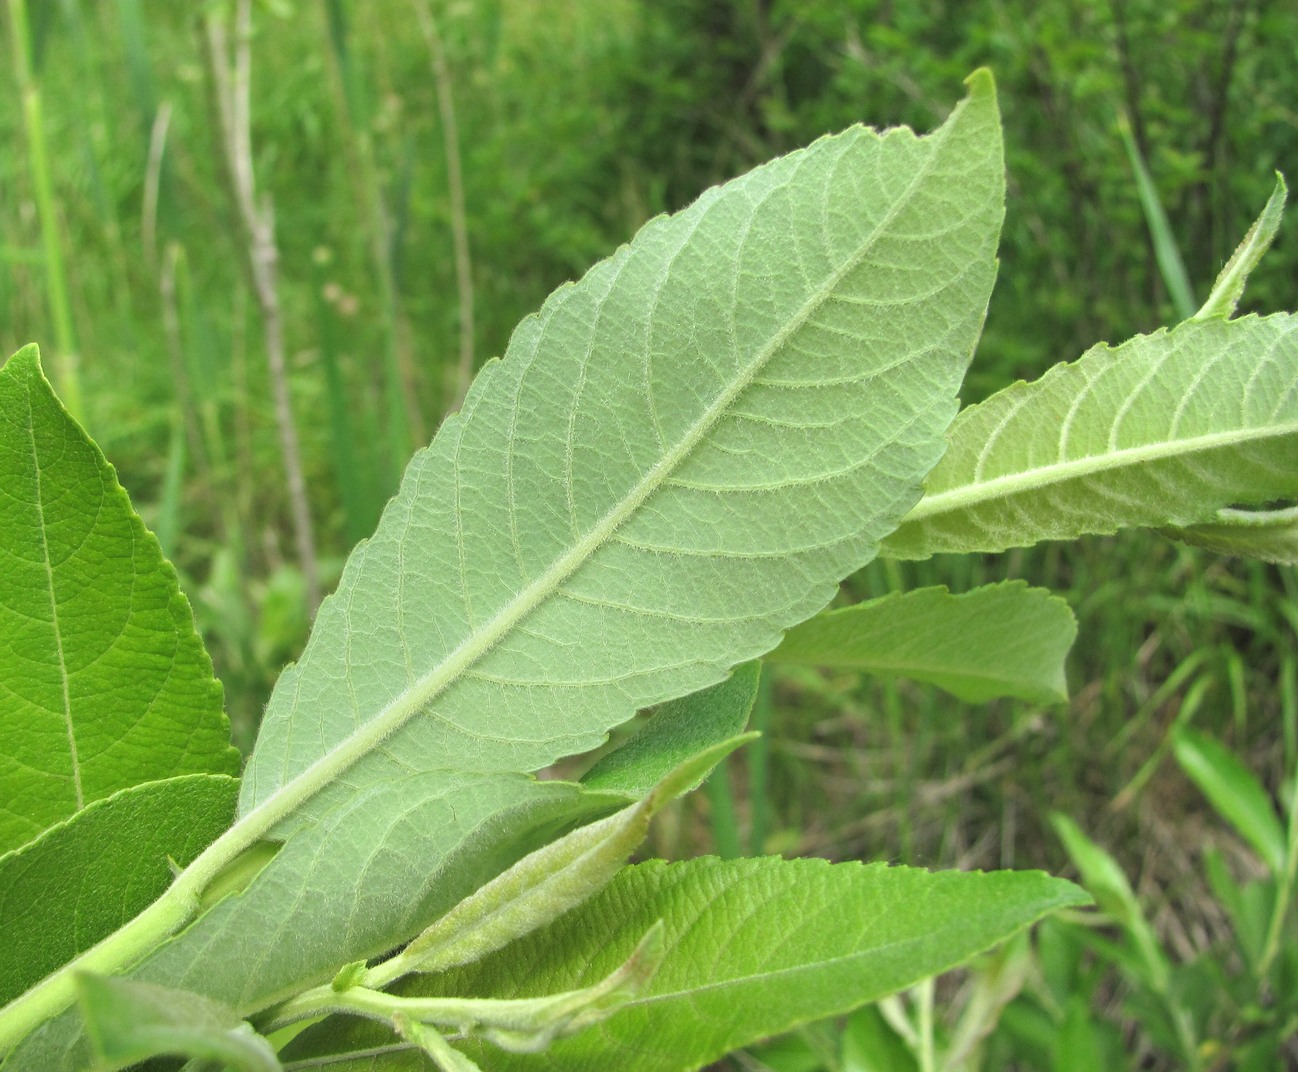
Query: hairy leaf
677,459
105,684
755,947
999,640
1271,535
1163,431
1229,287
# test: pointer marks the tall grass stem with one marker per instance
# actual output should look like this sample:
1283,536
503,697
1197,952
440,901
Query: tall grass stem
66,359
455,190
230,77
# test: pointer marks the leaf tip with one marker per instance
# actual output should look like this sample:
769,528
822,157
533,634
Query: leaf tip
981,82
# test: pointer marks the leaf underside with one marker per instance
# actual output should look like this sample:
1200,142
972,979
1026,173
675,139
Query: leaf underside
1271,535
1164,430
679,457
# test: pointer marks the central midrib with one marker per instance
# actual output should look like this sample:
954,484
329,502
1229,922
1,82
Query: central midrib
79,793
281,803
978,492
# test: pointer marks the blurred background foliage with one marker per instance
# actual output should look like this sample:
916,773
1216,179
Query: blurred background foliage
574,122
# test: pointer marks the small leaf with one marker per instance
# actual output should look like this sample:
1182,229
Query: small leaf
1163,431
1269,535
1107,883
445,1056
1234,792
755,947
63,893
105,682
545,884
129,1022
999,640
675,732
1229,287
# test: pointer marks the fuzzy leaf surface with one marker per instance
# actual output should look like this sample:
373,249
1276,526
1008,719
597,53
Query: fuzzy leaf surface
677,458
104,683
1163,431
998,640
1271,535
755,947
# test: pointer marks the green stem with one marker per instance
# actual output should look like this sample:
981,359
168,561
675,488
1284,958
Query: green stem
726,841
759,763
1284,889
65,363
924,999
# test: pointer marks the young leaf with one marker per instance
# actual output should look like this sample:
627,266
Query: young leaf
1229,287
1164,430
675,732
1000,640
546,883
1104,880
130,1022
64,892
1234,792
106,685
755,947
1271,535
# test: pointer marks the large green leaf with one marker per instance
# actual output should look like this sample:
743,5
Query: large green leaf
678,458
115,757
1163,431
755,947
103,682
998,640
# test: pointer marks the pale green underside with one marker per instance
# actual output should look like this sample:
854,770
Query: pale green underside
1271,535
678,458
1163,431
